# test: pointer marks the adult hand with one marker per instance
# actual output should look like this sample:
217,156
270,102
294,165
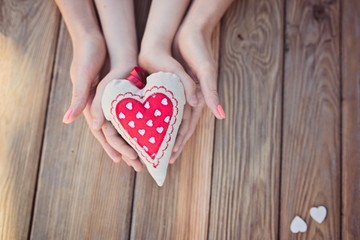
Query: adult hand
193,45
89,51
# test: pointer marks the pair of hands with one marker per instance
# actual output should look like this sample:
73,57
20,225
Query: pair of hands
167,45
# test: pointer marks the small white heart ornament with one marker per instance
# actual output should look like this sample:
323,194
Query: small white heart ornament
298,225
318,213
148,119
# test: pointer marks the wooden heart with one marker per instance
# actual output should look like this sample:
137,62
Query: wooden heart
148,119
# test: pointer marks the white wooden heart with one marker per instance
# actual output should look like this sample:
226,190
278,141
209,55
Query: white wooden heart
318,213
148,119
298,225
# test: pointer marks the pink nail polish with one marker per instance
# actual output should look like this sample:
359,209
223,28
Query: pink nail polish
67,115
221,111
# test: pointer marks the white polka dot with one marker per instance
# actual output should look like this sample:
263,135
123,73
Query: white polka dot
145,148
141,132
129,106
160,129
121,115
164,102
135,139
139,115
152,140
149,123
157,113
131,124
153,155
147,105
167,119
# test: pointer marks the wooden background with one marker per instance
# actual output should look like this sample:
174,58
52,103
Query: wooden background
289,78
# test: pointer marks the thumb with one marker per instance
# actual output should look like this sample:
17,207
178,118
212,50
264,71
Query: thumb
79,99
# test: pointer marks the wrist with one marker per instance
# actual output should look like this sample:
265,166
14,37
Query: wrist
198,24
125,62
80,34
155,44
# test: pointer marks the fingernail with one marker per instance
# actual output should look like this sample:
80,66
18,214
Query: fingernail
194,100
67,115
221,111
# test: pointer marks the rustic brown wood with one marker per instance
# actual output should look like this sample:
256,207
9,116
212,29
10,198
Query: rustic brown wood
245,184
28,35
311,125
82,194
179,209
351,119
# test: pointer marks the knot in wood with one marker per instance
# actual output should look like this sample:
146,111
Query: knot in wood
319,12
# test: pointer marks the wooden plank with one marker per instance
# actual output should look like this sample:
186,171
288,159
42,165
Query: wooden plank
179,209
82,194
351,119
311,124
245,184
28,34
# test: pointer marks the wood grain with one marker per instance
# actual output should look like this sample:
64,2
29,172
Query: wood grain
245,184
351,119
311,124
81,194
179,209
28,35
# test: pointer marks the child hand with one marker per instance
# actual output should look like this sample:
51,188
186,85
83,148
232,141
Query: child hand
104,131
118,25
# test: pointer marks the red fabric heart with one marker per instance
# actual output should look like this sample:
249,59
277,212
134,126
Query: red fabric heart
146,122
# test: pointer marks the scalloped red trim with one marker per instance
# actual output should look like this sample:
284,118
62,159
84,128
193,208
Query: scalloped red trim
169,131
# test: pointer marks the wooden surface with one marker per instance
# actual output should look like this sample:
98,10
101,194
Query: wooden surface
350,119
311,164
180,209
245,184
91,197
28,35
289,79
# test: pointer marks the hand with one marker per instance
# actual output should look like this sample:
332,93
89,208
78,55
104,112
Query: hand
89,53
193,47
118,25
104,131
193,44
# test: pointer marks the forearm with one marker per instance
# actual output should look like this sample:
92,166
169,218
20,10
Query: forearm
118,23
163,22
204,14
79,17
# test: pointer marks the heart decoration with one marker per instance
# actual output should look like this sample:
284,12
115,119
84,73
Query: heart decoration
318,213
298,225
148,119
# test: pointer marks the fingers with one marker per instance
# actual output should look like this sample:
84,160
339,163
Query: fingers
183,128
96,107
80,95
115,141
110,151
189,86
86,65
190,120
134,163
196,52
